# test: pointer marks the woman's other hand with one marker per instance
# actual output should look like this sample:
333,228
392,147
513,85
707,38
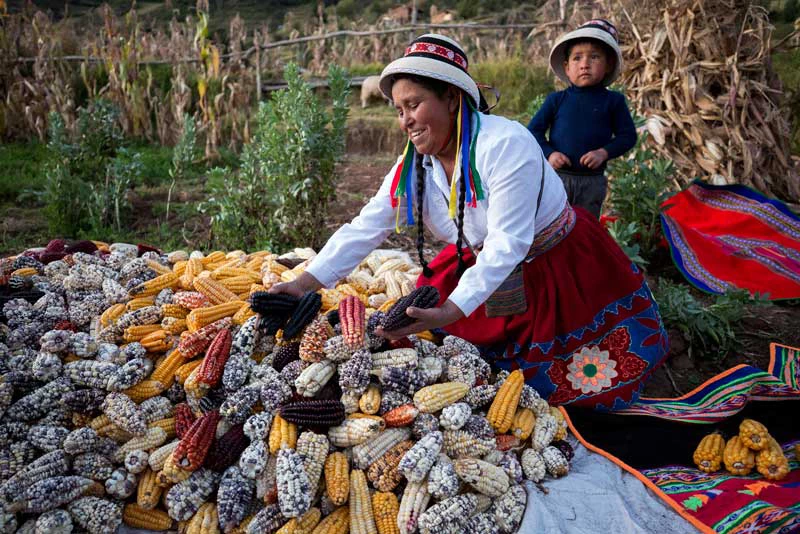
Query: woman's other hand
297,287
558,160
426,319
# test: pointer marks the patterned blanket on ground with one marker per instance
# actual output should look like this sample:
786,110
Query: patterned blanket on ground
717,502
731,237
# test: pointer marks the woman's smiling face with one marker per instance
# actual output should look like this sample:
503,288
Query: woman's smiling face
424,116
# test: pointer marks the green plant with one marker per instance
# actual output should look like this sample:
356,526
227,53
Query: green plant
707,327
625,235
535,105
519,82
280,194
638,186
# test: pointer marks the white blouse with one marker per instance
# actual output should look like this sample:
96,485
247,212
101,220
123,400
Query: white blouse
509,161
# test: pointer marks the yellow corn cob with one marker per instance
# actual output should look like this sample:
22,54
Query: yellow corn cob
205,520
304,525
753,434
244,313
154,286
524,421
171,473
235,272
159,268
338,522
288,276
148,492
165,371
237,284
159,456
25,271
215,257
771,462
386,306
738,459
158,341
138,332
173,325
431,399
193,268
337,479
139,302
362,520
254,263
174,310
167,425
282,433
112,314
179,268
145,390
708,455
201,317
561,429
135,516
215,291
385,506
370,401
504,406
256,287
183,372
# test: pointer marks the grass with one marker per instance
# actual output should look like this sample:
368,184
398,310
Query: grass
21,168
787,65
518,81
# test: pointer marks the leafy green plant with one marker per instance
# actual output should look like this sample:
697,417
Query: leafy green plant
280,195
707,327
626,235
518,81
535,105
639,185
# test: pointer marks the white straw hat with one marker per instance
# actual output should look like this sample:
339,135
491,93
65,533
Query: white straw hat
597,29
433,56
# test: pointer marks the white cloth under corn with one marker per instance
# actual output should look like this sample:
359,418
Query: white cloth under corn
509,161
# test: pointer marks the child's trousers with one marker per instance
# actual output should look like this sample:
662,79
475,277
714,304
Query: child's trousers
587,191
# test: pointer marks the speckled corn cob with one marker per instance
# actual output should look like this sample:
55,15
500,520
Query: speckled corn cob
15,457
47,437
130,374
275,391
313,449
555,462
402,379
185,498
266,521
455,416
431,399
395,358
51,493
337,478
416,463
97,516
92,465
38,403
354,432
413,503
294,488
314,377
234,496
136,461
511,465
385,473
354,373
237,369
482,522
544,431
90,373
52,522
49,465
462,444
238,407
369,451
442,479
448,515
482,476
121,484
337,350
123,412
509,509
282,433
312,345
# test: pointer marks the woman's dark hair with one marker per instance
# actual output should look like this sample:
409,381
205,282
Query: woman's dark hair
439,88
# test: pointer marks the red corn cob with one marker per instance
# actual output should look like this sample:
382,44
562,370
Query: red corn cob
191,299
401,416
196,342
184,418
507,441
210,371
226,450
194,446
352,317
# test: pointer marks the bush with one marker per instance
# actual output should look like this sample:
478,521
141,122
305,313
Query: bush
518,81
280,195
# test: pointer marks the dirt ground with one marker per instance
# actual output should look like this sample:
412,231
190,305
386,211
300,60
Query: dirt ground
684,370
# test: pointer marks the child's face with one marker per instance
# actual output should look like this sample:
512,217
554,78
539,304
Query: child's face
587,65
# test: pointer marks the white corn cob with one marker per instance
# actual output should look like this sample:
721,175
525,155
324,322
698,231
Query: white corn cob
362,519
369,451
253,459
448,515
354,431
509,509
482,476
313,448
442,479
314,377
416,463
414,502
154,437
455,416
294,489
555,462
160,455
544,431
394,358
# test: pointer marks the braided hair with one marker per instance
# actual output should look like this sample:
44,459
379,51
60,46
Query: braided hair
420,172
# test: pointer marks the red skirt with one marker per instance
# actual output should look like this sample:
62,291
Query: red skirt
591,333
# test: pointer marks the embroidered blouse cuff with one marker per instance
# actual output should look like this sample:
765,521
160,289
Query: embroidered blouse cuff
465,302
325,275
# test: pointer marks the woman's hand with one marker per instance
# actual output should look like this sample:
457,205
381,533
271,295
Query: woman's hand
297,287
426,319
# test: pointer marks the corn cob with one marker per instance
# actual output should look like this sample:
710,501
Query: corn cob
52,522
139,302
416,463
174,311
121,484
303,525
312,345
51,464
385,474
392,399
413,503
92,465
89,373
152,438
353,432
193,268
533,465
505,442
482,522
306,310
198,341
753,434
234,497
362,520
314,377
158,457
282,433
154,286
385,509
337,480
226,450
130,374
111,314
421,297
395,358
336,350
338,522
238,406
215,292
123,412
313,449
351,313
138,332
294,488
771,462
544,431
201,317
401,416
258,425
369,451
370,401
190,300
708,454
47,437
501,413
431,399
482,476
266,521
431,368
95,515
162,340
285,353
555,462
51,493
455,416
144,390
194,446
512,466
448,515
135,516
253,459
136,461
204,521
509,509
314,413
184,498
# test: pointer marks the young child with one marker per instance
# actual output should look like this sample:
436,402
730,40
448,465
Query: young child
588,123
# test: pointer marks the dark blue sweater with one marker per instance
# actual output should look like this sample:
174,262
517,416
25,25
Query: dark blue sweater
582,119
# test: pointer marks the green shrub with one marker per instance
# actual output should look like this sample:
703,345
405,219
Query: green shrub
280,194
518,81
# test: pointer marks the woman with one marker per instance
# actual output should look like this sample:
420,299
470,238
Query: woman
537,285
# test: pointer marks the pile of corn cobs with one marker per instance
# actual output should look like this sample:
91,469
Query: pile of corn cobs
142,388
